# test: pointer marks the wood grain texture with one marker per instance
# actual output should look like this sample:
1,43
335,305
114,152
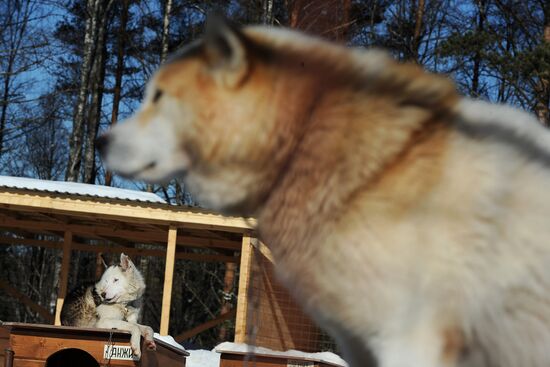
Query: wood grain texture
168,280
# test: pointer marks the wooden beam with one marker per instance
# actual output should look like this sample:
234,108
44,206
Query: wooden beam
168,280
137,212
203,327
137,236
31,242
242,297
116,250
264,250
65,263
23,298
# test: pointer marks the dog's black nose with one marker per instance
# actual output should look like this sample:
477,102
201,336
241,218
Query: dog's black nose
101,144
103,294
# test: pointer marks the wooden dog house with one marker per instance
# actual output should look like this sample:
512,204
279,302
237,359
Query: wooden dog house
72,212
29,345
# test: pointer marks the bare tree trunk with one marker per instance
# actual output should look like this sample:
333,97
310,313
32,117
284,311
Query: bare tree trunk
163,51
165,30
542,107
482,15
5,101
97,78
19,18
417,35
267,12
121,42
51,153
77,135
228,284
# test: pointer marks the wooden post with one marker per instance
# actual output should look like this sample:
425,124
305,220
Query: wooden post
8,357
244,281
168,280
65,263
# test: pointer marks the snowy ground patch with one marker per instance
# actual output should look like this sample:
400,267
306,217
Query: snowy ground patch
211,358
202,358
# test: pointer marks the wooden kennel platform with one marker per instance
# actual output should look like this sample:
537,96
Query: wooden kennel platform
34,345
239,359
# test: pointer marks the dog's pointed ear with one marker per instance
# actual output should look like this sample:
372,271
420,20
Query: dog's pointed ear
125,262
105,266
225,51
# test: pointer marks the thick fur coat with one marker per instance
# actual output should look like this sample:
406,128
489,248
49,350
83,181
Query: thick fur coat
113,302
406,219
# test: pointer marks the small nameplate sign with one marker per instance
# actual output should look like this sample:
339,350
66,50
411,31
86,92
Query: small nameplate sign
118,352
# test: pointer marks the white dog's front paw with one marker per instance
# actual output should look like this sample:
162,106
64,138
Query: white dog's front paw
136,351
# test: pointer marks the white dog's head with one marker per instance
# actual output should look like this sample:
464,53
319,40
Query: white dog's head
121,283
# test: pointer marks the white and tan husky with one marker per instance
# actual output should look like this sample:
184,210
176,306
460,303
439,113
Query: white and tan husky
114,302
406,219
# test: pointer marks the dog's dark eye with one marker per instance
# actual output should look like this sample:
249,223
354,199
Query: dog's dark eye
157,95
115,280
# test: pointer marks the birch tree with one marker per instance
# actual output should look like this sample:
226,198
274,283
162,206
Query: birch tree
117,90
542,88
96,89
21,47
77,135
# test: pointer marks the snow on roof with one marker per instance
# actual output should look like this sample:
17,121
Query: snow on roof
196,358
168,339
74,188
326,357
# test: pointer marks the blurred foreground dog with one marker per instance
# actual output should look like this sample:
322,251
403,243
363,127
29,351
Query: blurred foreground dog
112,303
406,219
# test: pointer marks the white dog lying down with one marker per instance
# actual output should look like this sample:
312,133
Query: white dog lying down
112,303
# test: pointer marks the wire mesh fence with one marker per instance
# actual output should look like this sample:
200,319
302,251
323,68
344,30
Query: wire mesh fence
274,319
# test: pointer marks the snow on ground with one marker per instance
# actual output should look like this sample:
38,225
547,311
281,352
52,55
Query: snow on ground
211,358
202,358
327,357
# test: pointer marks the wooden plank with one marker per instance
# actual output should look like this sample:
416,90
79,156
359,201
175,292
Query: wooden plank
164,356
207,325
64,331
242,297
65,263
112,231
168,280
27,362
116,250
239,359
264,250
138,212
39,347
23,298
4,343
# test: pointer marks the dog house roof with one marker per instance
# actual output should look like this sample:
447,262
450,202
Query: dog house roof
74,188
